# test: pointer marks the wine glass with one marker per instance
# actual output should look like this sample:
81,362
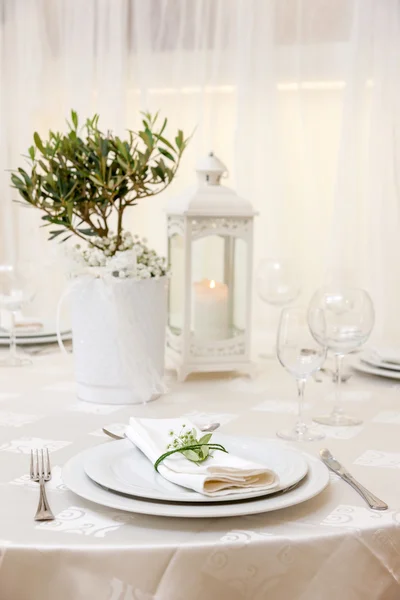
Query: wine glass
277,284
301,355
341,319
16,290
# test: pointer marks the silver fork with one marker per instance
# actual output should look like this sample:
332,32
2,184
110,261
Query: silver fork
40,471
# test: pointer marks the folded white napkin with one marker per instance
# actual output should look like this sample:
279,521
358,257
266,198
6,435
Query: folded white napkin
219,475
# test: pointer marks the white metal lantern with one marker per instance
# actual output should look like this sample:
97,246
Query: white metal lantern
210,250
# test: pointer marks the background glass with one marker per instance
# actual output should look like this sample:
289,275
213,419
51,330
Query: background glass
17,289
277,284
341,319
301,355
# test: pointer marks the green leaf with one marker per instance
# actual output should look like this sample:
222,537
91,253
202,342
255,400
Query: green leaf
27,179
18,183
147,137
205,439
158,173
191,455
56,233
70,208
96,180
67,238
179,141
122,163
166,153
38,142
167,143
205,451
87,231
104,147
74,118
32,152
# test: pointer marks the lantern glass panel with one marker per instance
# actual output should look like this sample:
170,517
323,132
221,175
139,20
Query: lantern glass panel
218,307
176,283
239,285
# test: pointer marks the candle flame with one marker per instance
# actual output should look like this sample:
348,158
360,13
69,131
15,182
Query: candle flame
212,283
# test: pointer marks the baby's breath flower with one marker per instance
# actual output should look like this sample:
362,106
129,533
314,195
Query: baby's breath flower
102,250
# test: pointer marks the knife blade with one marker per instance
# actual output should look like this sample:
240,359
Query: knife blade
334,465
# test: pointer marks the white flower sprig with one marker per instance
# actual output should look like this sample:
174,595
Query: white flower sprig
103,254
186,442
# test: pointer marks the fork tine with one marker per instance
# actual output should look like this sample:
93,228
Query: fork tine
41,463
37,464
31,471
48,466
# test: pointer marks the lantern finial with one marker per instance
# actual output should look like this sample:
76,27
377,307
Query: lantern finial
210,170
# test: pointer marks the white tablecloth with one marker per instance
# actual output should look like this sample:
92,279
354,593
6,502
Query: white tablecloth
328,548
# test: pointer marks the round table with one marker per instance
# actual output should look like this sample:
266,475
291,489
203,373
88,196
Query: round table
330,547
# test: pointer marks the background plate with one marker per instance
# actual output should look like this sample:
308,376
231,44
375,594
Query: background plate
364,368
374,361
23,340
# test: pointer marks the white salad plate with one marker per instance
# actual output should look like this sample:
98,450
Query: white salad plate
123,468
363,367
78,482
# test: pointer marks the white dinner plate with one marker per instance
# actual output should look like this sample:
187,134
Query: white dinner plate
365,368
77,481
373,359
121,467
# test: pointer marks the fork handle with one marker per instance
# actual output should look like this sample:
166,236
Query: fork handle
43,512
373,501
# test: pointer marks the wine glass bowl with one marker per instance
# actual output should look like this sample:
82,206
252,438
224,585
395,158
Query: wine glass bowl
278,285
17,288
301,355
341,319
299,361
277,282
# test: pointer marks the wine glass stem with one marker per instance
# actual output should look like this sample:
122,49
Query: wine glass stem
13,338
338,408
300,425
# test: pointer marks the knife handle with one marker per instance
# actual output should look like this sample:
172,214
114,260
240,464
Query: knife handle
372,501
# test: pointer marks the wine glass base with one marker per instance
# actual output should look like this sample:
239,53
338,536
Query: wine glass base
15,361
306,435
337,420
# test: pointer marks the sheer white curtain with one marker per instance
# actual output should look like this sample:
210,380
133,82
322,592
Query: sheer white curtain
300,98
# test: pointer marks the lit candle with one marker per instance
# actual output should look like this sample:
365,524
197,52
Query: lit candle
210,310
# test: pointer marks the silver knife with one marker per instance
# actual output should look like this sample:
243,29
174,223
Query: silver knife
335,466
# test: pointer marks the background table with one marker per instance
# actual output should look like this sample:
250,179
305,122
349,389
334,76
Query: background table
328,548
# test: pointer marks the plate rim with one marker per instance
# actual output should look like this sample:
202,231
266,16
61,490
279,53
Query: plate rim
5,335
370,370
315,482
197,498
27,341
382,364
